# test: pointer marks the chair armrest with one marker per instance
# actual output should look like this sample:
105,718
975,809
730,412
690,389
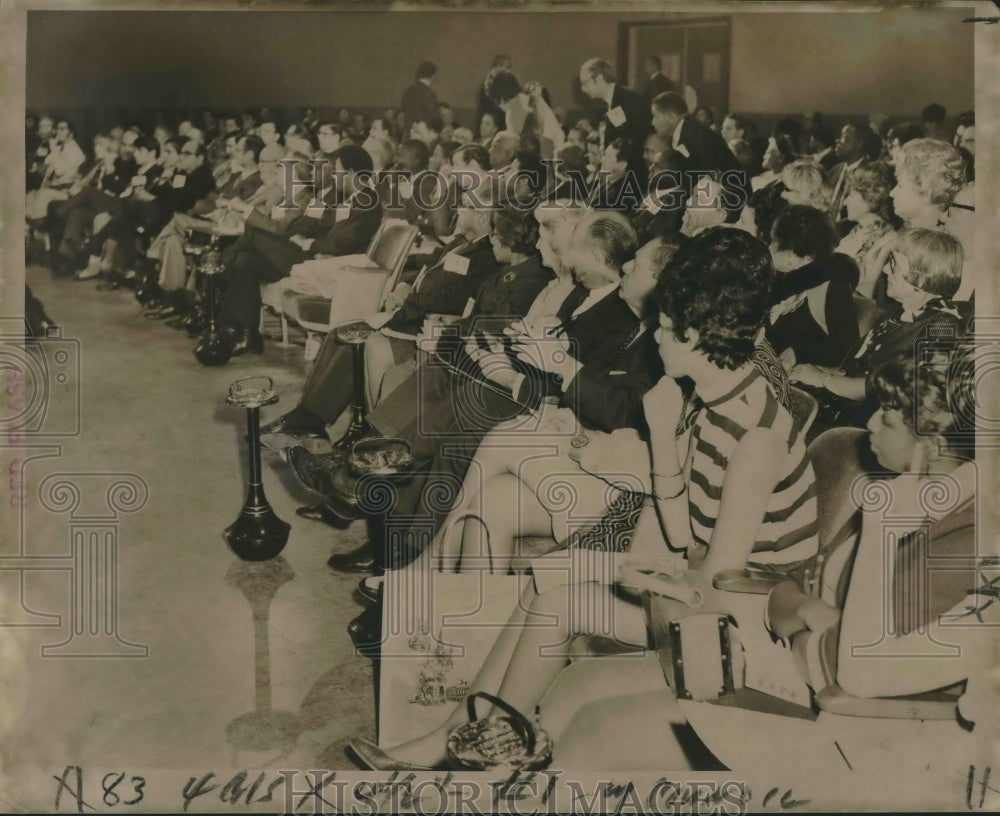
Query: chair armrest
747,581
929,706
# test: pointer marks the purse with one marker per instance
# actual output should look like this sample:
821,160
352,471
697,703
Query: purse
699,650
508,742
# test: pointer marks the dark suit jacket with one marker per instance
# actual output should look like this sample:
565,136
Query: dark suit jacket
198,185
638,122
353,234
611,398
657,85
443,292
707,150
419,103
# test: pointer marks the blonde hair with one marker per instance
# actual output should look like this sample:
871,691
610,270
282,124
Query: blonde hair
935,259
936,167
807,176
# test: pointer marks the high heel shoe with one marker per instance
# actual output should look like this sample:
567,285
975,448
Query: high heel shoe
375,759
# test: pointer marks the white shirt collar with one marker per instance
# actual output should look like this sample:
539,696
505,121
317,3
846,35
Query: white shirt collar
595,296
611,94
677,133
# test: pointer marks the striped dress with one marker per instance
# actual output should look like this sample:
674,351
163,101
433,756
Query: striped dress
788,531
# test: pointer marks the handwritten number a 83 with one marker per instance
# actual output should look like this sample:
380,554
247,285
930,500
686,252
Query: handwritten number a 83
111,798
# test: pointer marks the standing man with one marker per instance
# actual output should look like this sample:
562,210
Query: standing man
704,149
627,114
657,83
419,100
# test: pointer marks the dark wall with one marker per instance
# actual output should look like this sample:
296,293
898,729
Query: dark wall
891,61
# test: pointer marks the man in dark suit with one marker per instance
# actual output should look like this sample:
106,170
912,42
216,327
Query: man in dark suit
657,83
627,114
261,256
443,287
857,144
704,149
419,100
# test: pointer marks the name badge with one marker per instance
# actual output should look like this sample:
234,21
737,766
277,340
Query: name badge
138,181
456,263
312,211
616,116
342,212
179,181
469,305
653,204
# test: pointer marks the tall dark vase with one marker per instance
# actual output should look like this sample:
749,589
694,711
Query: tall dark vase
213,349
257,534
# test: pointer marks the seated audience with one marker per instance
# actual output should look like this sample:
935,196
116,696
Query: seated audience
917,433
923,269
813,315
725,509
263,257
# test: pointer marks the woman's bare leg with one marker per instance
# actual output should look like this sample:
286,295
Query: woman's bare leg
529,655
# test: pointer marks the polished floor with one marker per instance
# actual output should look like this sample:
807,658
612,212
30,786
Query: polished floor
183,656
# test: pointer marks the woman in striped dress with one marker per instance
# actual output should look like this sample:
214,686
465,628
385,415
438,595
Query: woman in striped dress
727,468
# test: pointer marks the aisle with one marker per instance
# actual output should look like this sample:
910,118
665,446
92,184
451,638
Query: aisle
150,409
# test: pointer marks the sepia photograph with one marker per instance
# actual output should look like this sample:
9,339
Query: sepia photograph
499,407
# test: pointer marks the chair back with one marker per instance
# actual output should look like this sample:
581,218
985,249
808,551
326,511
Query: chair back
838,456
867,311
804,409
389,249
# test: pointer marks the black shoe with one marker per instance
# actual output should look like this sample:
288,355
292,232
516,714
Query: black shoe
365,631
312,469
114,281
370,594
175,322
162,313
289,427
247,341
357,560
320,512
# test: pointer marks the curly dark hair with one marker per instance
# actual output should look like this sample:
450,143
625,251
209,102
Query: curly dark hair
502,85
806,231
517,230
935,395
719,284
767,203
874,181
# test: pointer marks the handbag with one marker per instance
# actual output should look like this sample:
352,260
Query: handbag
698,648
508,742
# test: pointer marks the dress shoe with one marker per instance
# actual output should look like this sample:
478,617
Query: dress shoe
375,759
371,592
114,281
161,314
365,632
289,427
357,560
248,341
312,469
320,512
